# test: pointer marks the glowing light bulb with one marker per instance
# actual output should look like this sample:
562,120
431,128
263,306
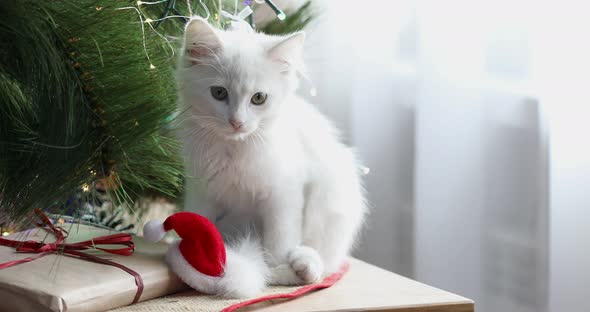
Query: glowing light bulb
85,187
5,233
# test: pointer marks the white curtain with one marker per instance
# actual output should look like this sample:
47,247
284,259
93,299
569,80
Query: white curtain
562,58
471,116
481,173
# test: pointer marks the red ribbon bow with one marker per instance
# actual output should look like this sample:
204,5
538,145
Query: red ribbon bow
42,249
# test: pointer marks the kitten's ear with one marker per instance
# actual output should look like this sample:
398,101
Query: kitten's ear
288,51
200,40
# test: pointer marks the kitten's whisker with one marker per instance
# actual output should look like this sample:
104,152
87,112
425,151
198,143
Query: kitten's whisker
211,117
203,140
253,138
260,137
202,121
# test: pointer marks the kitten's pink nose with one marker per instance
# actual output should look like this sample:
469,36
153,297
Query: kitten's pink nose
237,124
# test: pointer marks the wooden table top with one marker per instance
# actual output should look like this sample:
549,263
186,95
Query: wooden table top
364,288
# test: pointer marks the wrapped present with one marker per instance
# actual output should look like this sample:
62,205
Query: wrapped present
90,269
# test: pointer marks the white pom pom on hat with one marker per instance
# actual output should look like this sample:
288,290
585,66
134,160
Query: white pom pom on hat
153,231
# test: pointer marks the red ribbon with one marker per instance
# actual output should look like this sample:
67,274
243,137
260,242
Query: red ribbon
42,249
328,281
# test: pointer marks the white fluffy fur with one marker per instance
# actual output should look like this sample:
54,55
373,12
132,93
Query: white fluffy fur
286,174
244,276
245,273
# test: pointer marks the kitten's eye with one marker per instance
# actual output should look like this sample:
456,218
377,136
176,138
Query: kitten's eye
219,93
258,98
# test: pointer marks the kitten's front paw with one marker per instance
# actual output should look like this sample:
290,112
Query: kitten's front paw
306,263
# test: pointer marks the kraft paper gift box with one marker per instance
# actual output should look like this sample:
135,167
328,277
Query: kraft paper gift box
57,282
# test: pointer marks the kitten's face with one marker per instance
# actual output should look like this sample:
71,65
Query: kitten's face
234,82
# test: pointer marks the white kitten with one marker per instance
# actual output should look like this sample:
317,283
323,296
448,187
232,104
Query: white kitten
261,158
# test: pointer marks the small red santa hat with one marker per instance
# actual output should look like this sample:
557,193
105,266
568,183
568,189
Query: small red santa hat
199,258
201,246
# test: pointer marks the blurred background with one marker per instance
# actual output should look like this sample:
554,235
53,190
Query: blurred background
473,118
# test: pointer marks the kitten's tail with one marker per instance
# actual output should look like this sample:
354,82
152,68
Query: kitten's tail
245,272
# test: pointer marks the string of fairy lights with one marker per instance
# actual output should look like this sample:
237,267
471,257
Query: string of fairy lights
245,14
